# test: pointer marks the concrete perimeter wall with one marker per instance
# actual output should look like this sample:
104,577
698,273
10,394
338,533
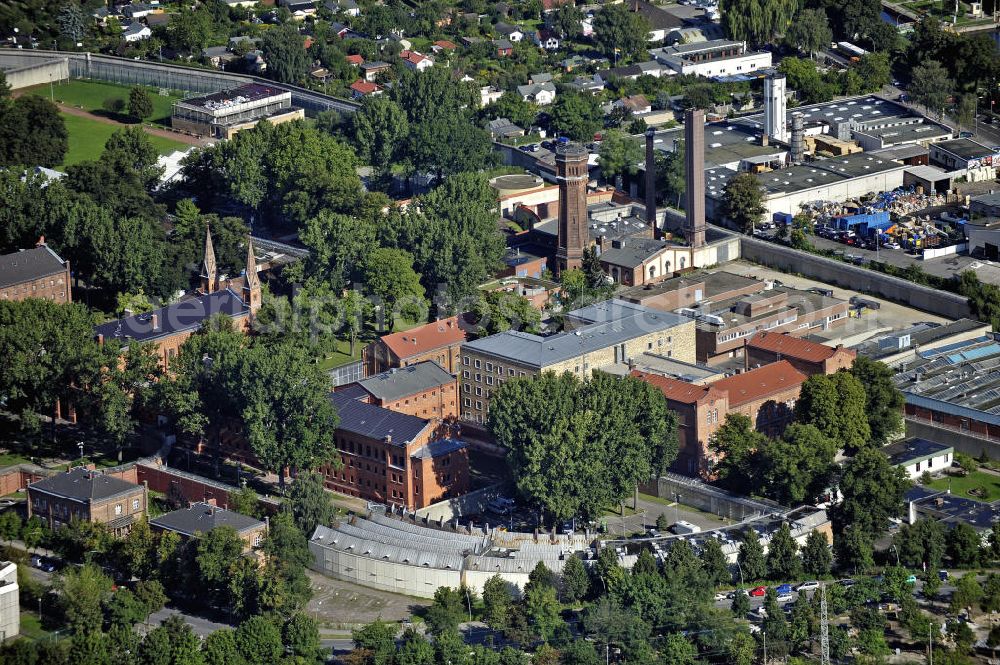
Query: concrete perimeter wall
962,441
378,574
472,503
820,268
53,70
162,75
695,493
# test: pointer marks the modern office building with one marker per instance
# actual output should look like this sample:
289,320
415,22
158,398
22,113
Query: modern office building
221,114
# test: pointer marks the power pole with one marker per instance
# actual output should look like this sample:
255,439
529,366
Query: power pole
930,642
764,633
824,627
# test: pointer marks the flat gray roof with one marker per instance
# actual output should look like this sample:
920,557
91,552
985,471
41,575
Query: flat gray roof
603,324
401,382
965,148
202,518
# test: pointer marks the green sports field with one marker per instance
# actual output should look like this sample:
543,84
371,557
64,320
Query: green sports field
87,138
91,95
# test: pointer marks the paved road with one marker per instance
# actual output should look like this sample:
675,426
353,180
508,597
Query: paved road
201,626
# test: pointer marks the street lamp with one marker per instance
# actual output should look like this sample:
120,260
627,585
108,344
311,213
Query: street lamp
80,446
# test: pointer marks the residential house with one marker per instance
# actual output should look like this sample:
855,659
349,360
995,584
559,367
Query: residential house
661,21
321,74
503,48
488,94
136,32
255,63
636,104
299,8
424,389
573,62
251,43
361,89
346,7
158,19
510,32
35,273
416,61
201,517
546,39
541,94
89,496
919,456
137,10
502,128
217,56
443,46
370,70
240,3
808,357
356,60
592,85
393,458
439,341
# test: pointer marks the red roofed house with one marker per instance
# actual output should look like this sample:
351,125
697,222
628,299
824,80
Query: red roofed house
439,341
807,357
416,61
443,45
360,89
355,60
766,395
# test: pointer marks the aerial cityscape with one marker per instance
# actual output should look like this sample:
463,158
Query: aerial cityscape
445,332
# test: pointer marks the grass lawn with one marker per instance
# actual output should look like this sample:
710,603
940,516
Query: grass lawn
9,459
31,627
90,96
87,138
342,355
978,479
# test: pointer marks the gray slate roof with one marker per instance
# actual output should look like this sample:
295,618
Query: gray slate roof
202,518
374,422
401,382
633,252
438,448
84,485
604,324
29,265
184,315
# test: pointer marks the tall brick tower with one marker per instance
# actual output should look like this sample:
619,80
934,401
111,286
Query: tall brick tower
572,174
654,232
694,169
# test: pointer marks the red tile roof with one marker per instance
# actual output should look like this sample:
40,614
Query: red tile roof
355,59
364,87
445,44
760,383
793,347
674,389
412,57
424,338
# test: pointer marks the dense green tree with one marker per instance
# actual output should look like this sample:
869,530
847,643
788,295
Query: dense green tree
575,580
816,555
219,648
287,413
783,561
380,131
72,22
613,433
670,175
968,592
567,20
883,401
742,649
301,635
501,310
130,152
216,552
775,625
542,609
377,641
931,87
872,492
991,594
497,602
82,592
259,640
620,32
284,50
576,116
189,31
390,277
620,154
736,445
809,32
741,604
750,558
310,503
921,545
756,21
677,649
714,563
579,652
875,71
799,466
140,104
32,133
447,611
513,107
743,201
963,545
835,405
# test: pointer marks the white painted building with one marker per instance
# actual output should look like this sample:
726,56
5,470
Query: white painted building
916,456
719,57
10,610
136,32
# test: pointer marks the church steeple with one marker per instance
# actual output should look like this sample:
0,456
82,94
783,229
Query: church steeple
209,270
251,282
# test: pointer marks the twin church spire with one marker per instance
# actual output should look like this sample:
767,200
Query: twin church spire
210,273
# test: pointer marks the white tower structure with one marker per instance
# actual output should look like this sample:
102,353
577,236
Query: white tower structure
774,108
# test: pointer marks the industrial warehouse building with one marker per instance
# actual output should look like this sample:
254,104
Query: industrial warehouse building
222,114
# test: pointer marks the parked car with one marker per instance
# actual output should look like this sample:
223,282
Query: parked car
911,579
847,583
42,563
721,595
943,575
812,585
965,135
758,592
783,589
786,598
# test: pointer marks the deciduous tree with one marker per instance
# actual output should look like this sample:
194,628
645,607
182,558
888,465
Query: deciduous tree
284,50
140,104
743,201
883,401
